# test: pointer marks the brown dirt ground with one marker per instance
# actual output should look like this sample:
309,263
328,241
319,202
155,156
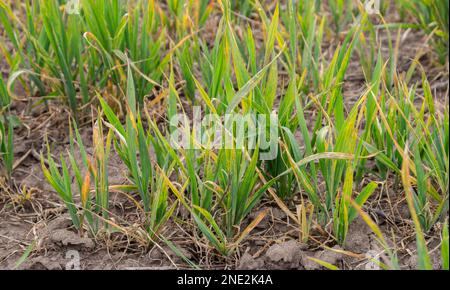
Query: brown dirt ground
40,221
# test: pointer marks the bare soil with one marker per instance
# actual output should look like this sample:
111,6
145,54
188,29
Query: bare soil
33,218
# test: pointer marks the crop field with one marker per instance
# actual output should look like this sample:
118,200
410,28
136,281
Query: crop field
224,134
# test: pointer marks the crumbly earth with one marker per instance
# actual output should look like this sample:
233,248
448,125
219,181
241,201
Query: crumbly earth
36,232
